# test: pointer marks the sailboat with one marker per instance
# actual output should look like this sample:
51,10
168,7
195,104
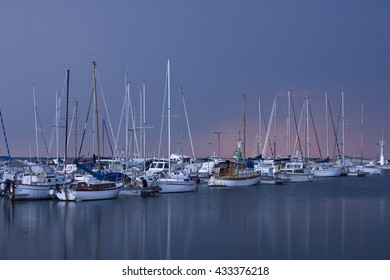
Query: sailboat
91,186
236,173
174,182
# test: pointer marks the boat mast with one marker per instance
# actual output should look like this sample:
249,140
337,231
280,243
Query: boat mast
361,135
36,127
144,122
244,127
343,126
289,122
66,118
96,115
127,120
307,129
169,114
259,134
326,125
57,126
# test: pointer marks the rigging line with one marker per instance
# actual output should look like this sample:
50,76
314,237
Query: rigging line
108,137
296,126
315,132
334,131
85,125
266,128
5,136
71,125
188,125
132,119
55,122
299,126
123,112
43,135
107,113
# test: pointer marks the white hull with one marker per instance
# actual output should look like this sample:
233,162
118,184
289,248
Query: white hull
328,172
69,194
271,180
169,185
31,192
296,177
369,170
233,182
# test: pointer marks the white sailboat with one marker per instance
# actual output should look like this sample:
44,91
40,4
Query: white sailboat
174,182
91,186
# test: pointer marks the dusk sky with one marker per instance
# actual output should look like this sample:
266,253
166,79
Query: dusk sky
218,52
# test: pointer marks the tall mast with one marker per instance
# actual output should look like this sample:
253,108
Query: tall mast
36,124
307,128
127,119
289,122
259,136
169,114
343,125
244,128
275,129
144,121
361,135
66,118
96,114
57,126
326,124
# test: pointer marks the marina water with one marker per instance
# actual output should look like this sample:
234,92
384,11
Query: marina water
330,218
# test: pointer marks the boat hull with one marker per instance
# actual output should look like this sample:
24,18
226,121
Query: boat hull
328,172
296,177
271,180
233,182
69,194
176,186
31,192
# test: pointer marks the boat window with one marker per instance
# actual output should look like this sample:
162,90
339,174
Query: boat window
27,170
36,169
48,170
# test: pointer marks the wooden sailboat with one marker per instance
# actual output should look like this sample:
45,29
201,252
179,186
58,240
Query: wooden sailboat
91,186
237,173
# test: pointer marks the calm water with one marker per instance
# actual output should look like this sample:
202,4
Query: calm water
333,218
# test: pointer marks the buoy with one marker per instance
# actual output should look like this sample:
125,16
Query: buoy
51,192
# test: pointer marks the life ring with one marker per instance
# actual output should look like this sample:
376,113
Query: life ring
70,168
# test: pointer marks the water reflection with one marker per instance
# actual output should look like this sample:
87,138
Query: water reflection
344,218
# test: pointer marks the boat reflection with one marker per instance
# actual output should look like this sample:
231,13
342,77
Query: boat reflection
260,222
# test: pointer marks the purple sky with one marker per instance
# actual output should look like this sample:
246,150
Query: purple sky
219,51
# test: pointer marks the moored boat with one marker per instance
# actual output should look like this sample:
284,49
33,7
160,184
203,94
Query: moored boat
89,188
34,183
295,172
234,174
